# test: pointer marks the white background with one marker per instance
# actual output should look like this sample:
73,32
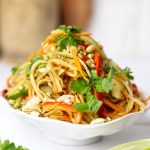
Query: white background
122,26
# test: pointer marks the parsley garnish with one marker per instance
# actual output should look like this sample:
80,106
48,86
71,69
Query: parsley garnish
127,71
7,145
92,104
68,38
35,58
99,83
41,66
67,29
80,86
28,68
84,87
102,84
15,69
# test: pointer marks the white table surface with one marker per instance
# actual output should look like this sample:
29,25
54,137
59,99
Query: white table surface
16,131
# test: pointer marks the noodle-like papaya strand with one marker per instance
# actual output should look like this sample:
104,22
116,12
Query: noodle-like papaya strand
77,63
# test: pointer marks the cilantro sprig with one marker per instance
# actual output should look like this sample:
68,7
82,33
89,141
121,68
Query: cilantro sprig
80,86
7,145
68,29
68,38
15,69
99,83
92,104
35,58
27,69
102,84
127,71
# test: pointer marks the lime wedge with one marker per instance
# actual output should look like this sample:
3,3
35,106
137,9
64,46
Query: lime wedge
135,145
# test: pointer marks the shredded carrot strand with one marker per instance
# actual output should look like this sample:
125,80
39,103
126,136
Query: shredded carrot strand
83,34
77,63
111,105
49,105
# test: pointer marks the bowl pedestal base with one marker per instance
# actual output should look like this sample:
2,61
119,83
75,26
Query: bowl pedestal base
69,141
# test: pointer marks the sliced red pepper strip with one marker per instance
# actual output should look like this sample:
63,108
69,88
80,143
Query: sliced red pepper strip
135,88
102,110
85,46
57,105
100,96
85,58
98,62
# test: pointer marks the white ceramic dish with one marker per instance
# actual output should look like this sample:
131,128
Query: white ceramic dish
73,134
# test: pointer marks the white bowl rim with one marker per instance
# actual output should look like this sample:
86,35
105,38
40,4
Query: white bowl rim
48,120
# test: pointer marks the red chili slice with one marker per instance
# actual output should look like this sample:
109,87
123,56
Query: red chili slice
98,62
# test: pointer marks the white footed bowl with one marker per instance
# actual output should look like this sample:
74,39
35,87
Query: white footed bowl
73,134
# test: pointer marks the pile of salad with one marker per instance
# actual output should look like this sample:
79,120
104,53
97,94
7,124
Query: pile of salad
70,78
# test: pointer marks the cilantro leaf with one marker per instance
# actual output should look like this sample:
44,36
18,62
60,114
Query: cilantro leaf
74,29
70,28
92,104
7,145
103,84
62,42
15,69
63,27
108,65
80,86
65,40
82,107
94,74
98,84
111,73
72,40
35,58
41,66
68,38
27,69
88,96
106,85
127,71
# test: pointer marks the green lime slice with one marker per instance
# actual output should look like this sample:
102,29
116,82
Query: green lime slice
135,145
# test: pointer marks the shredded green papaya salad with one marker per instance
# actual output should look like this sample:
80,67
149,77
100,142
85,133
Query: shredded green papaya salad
70,78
